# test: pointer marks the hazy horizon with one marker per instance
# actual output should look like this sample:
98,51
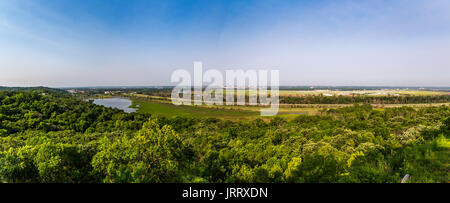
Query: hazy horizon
282,87
139,43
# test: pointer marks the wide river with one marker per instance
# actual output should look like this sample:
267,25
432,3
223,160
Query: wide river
118,103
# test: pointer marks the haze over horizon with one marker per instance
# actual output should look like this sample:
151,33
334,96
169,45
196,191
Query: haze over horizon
140,43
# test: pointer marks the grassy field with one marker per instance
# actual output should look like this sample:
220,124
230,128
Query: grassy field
170,110
165,108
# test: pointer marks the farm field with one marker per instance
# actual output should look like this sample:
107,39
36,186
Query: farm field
382,92
386,92
165,108
170,110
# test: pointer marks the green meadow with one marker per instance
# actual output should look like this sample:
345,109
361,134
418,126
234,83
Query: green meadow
170,110
166,108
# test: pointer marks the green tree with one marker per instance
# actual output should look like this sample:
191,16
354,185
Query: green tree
152,155
17,165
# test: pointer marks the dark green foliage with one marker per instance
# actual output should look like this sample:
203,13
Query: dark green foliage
50,136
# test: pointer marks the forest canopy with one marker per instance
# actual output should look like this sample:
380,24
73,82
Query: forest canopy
50,136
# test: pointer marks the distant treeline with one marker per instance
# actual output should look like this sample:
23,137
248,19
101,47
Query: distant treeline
87,92
285,99
319,99
36,89
292,88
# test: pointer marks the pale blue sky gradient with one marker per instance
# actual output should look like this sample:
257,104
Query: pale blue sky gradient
62,43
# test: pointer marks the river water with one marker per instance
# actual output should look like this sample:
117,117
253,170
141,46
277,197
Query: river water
118,103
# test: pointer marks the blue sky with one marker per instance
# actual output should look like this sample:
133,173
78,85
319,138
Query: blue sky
62,43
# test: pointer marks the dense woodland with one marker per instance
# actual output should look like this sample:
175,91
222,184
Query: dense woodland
50,136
